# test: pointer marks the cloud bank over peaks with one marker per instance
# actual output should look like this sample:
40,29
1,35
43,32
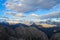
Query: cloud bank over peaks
30,5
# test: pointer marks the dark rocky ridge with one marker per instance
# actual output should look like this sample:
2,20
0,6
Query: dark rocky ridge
25,32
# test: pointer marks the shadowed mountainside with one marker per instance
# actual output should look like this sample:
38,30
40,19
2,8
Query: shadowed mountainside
25,32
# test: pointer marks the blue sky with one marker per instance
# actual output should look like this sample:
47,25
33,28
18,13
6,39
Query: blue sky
26,8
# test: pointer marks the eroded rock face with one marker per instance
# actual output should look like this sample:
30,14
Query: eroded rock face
12,38
21,33
55,36
30,33
3,34
35,34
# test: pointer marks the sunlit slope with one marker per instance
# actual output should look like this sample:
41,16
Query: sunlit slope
47,25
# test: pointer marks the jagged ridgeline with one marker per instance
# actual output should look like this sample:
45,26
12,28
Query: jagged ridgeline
28,32
21,33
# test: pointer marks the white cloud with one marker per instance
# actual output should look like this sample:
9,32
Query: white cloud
3,18
20,15
34,15
15,14
10,13
55,14
30,5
